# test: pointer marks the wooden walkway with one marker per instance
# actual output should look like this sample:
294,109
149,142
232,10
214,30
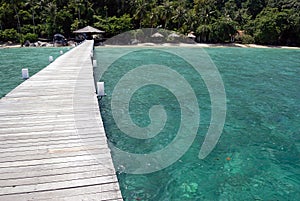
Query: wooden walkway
52,141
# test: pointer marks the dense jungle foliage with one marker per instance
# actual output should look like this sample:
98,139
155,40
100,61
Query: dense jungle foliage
275,22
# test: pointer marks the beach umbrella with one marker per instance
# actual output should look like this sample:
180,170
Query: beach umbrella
191,35
157,35
173,35
89,30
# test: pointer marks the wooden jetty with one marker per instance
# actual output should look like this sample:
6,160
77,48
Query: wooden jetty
52,141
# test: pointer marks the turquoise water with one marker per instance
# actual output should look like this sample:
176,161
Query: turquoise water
12,60
257,156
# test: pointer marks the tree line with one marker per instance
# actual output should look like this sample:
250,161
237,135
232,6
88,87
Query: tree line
275,22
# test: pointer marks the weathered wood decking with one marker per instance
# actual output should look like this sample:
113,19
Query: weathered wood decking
52,141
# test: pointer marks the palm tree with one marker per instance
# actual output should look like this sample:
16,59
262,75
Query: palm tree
140,7
15,3
33,5
191,20
50,12
179,13
78,5
204,11
153,17
166,11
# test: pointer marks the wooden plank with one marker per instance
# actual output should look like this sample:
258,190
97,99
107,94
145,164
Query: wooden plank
43,111
59,143
52,172
56,152
16,142
45,117
46,135
54,160
83,193
43,122
73,182
52,141
50,127
58,177
6,172
105,196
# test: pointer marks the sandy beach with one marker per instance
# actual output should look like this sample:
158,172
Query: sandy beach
203,45
10,46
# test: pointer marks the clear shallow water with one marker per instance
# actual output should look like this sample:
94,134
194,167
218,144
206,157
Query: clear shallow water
12,60
257,156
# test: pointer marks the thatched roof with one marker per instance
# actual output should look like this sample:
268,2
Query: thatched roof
157,35
173,35
88,29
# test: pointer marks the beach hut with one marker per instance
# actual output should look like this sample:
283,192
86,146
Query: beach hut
174,38
157,38
88,32
157,35
173,35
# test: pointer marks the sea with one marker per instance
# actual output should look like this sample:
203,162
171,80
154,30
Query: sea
257,154
13,60
246,99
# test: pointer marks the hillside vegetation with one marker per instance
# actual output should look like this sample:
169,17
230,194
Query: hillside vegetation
275,22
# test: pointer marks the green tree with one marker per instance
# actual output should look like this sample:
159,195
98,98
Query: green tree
63,22
10,35
242,18
7,16
206,14
180,13
51,13
152,18
166,11
15,4
291,35
32,6
268,21
204,32
140,8
270,24
254,7
114,25
223,29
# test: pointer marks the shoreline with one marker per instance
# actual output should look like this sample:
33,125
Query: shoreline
201,45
